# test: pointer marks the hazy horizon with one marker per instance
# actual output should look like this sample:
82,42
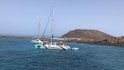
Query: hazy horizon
21,17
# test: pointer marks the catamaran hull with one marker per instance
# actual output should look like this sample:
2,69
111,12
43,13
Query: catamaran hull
37,41
52,47
65,47
39,46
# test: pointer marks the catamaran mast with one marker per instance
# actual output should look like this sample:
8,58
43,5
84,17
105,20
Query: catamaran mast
47,25
52,25
51,18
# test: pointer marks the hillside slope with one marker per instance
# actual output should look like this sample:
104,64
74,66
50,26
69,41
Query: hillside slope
88,34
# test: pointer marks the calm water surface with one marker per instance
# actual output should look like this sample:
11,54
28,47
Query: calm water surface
20,54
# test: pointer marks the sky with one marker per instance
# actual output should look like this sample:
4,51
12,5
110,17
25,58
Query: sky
21,17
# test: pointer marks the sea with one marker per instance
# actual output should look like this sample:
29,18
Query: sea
21,54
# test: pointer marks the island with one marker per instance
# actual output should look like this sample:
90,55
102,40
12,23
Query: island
93,37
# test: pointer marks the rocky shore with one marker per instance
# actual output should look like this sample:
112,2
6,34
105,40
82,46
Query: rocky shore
93,37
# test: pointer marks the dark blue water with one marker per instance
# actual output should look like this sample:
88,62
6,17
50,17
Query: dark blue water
20,54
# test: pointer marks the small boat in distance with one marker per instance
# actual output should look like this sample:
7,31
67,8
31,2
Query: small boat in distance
41,43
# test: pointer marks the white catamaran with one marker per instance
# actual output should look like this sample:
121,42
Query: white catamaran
41,43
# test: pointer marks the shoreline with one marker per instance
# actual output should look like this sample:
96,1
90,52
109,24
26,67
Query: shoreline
16,36
115,41
118,41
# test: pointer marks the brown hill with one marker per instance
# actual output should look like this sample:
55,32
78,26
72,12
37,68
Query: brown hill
87,34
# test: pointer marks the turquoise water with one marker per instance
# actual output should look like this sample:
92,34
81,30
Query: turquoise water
20,54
